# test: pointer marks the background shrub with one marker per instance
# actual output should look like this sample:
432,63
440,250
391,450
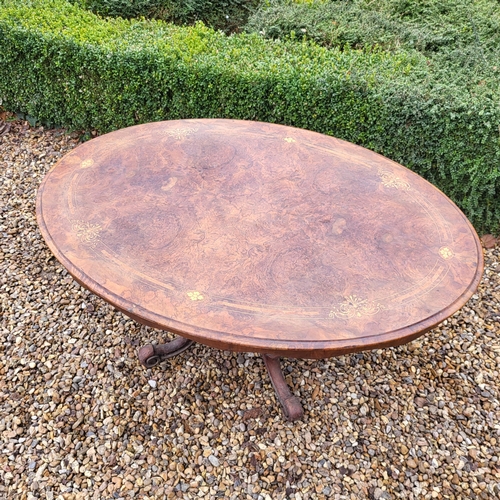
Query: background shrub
65,66
425,25
460,38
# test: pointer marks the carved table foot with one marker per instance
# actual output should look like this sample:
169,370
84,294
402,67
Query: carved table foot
150,355
292,409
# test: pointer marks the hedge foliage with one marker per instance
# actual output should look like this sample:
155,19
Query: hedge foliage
425,25
227,15
459,38
67,66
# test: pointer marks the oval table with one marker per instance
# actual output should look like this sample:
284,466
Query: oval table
249,236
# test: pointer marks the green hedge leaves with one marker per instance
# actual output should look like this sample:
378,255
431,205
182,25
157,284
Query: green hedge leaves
226,15
69,67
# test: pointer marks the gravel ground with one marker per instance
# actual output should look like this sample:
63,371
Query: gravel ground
80,418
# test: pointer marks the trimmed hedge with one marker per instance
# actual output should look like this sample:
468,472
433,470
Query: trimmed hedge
68,67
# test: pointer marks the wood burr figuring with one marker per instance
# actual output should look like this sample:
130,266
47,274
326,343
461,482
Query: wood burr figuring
257,237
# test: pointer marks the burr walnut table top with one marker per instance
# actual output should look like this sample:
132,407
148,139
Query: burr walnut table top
258,237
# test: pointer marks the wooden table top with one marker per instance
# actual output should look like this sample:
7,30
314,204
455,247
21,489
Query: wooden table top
258,237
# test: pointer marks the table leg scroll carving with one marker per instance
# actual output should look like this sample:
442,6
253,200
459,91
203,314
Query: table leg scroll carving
150,355
292,409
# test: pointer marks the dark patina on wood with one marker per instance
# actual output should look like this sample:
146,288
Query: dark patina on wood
256,237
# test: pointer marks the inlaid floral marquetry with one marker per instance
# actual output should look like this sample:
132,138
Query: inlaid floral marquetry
87,163
86,232
180,132
194,296
446,253
393,181
355,307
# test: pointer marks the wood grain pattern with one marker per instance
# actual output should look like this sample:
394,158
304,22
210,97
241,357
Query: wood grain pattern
258,237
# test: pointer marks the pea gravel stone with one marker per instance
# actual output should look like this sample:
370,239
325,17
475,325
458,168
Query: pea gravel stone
81,419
